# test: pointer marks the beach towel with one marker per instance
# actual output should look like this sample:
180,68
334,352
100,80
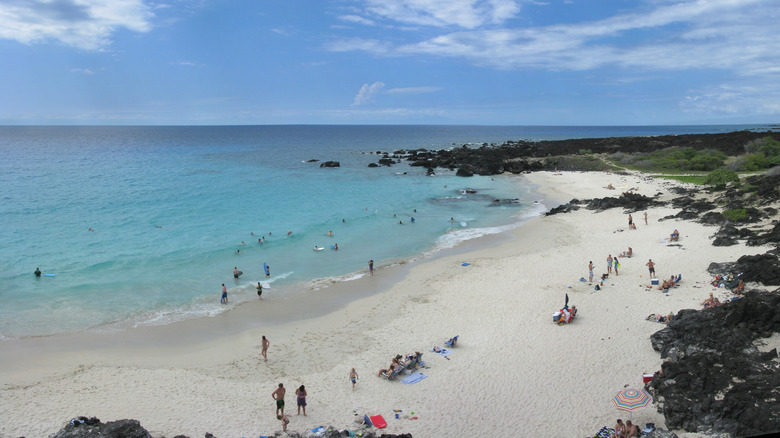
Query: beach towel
444,352
414,378
605,432
379,421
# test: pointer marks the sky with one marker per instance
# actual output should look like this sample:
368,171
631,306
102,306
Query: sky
449,62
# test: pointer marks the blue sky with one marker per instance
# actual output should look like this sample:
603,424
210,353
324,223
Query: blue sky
490,62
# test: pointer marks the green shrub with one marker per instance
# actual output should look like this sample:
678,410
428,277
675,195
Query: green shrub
585,152
754,162
718,178
735,215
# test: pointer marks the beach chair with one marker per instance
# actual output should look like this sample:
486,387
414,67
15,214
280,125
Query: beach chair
451,343
414,363
395,373
678,279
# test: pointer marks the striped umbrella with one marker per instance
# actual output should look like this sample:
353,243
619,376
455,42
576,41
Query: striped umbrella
631,399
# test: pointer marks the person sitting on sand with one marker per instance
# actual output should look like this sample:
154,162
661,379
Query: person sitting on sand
631,430
620,429
664,286
611,187
628,253
710,302
675,236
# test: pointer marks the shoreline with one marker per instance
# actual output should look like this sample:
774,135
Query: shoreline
206,374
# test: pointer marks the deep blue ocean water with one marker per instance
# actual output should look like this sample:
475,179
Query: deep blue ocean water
141,225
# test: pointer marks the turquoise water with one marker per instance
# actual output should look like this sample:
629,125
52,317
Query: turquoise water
169,207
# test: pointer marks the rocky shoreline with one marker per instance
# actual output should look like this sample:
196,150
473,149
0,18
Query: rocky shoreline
527,156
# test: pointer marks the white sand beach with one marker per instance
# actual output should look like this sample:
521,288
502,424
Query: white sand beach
513,368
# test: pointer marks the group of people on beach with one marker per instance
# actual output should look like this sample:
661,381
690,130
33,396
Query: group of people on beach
626,430
400,362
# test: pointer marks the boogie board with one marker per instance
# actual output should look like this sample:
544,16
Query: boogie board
238,274
318,249
265,268
48,275
378,421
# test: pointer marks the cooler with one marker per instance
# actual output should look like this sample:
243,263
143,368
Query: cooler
654,281
647,377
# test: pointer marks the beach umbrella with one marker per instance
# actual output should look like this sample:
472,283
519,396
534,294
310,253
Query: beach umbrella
631,399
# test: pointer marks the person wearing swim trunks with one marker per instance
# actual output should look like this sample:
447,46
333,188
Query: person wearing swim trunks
224,299
278,395
353,376
259,290
371,267
590,271
651,267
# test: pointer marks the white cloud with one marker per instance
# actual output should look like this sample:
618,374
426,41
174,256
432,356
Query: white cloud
725,99
84,24
367,93
357,19
697,34
468,14
85,71
413,90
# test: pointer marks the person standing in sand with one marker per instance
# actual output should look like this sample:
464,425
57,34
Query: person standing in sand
371,267
651,267
264,350
590,271
353,376
609,264
617,265
301,399
645,218
278,395
630,221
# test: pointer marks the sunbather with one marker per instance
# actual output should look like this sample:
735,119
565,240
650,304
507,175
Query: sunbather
386,371
740,287
710,302
675,236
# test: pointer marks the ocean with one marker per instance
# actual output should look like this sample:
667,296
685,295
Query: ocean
142,225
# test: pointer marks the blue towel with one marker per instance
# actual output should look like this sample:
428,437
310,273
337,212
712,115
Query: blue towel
414,378
443,352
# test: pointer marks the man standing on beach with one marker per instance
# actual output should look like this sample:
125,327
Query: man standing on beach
645,218
630,221
371,267
609,264
651,266
278,395
224,294
590,271
265,345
